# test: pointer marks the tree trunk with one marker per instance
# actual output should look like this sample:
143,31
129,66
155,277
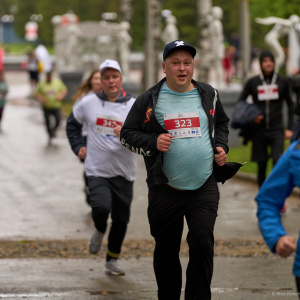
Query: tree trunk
152,44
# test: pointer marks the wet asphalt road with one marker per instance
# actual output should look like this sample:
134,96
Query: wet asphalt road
41,193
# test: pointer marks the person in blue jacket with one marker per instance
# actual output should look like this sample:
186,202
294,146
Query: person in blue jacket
270,199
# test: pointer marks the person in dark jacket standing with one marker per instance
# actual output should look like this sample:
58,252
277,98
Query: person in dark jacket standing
269,90
110,168
180,128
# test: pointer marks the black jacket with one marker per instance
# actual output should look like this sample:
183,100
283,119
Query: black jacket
242,118
295,84
141,129
273,118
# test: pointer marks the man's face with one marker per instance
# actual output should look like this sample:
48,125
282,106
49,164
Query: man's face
267,65
111,83
179,70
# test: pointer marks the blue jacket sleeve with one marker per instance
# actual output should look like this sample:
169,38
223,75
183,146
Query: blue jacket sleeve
73,129
270,200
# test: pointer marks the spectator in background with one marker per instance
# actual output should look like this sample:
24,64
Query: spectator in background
269,91
228,64
44,57
2,54
235,42
50,93
33,70
3,92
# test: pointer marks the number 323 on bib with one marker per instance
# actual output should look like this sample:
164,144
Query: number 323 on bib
183,125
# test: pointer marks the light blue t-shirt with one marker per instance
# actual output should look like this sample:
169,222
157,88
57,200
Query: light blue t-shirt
189,161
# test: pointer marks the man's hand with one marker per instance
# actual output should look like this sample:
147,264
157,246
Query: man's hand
288,134
285,246
117,130
164,142
41,98
295,71
82,153
258,119
61,95
221,157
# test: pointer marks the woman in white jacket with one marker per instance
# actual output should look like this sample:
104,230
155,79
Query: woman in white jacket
91,85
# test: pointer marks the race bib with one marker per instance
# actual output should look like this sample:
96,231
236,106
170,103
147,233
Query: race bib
183,125
267,92
106,124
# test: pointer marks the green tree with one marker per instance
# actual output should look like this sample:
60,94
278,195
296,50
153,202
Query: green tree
86,10
230,19
186,15
138,25
184,11
279,8
6,7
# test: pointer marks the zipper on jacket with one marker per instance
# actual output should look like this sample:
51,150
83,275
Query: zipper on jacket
267,112
213,116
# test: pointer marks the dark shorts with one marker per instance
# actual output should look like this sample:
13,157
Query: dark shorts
34,75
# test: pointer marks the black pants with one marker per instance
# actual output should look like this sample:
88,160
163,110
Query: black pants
111,195
262,141
1,112
52,125
166,212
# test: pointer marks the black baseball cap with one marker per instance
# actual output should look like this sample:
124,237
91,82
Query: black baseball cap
178,45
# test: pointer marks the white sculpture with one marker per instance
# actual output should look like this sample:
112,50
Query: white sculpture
293,62
66,37
170,32
281,28
124,48
82,46
217,43
71,47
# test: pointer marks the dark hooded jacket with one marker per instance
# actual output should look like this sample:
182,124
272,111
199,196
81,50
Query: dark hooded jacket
273,117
